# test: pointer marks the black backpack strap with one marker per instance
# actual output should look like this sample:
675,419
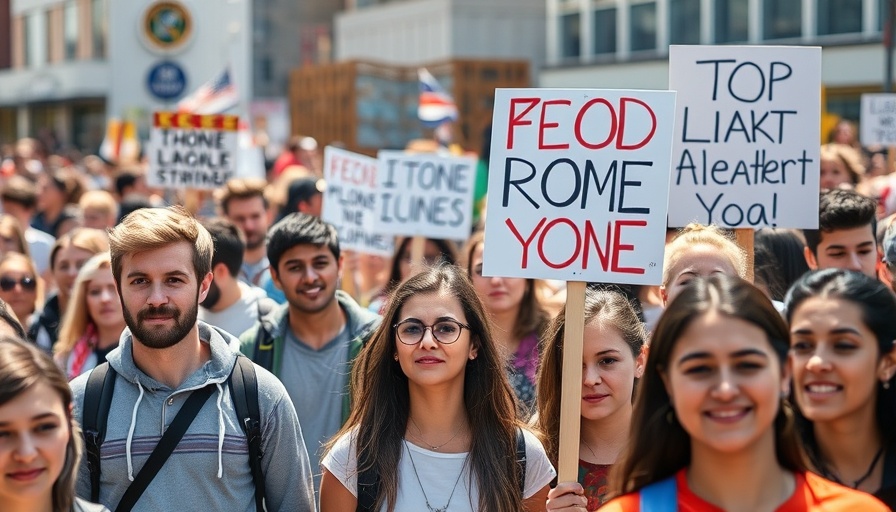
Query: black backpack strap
263,353
166,446
521,458
244,391
95,412
368,484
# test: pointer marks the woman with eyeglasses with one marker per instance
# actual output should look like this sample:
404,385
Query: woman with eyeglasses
67,256
711,430
434,425
519,320
843,362
19,285
40,442
93,321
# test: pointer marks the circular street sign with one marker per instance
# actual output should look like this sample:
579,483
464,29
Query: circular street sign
166,80
167,25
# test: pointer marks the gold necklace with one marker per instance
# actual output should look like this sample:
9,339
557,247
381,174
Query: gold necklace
435,448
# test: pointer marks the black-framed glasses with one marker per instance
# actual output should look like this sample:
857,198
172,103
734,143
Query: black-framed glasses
9,283
410,332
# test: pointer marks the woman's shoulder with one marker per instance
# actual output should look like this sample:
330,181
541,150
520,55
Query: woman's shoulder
822,494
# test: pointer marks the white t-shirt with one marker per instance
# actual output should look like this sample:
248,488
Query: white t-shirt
239,316
438,472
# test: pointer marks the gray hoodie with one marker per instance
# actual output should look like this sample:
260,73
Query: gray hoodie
209,469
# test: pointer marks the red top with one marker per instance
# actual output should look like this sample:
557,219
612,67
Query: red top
812,494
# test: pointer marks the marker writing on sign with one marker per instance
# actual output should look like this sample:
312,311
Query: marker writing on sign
598,123
427,191
705,161
608,249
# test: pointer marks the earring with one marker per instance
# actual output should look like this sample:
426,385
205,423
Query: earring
395,356
472,357
886,384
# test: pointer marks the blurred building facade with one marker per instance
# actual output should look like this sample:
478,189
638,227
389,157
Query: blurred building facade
415,32
66,66
624,43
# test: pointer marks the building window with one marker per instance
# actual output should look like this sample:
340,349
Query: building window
604,31
643,27
70,30
731,21
839,17
98,28
570,35
684,21
783,18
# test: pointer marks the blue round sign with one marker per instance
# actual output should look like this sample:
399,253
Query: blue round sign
166,80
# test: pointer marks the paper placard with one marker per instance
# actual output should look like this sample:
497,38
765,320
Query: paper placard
746,149
878,120
425,195
190,151
578,184
350,201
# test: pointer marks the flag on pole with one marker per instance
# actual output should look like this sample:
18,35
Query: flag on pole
436,105
213,97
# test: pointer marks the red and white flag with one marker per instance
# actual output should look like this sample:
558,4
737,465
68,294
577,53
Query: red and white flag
213,97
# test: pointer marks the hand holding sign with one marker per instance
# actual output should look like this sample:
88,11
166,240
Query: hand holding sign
578,191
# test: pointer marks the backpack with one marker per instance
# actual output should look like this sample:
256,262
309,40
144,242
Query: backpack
369,482
243,390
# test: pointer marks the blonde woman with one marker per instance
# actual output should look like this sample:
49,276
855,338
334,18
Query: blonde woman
93,321
699,251
68,255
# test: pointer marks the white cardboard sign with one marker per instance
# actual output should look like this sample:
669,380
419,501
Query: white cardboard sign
746,148
350,201
191,151
578,184
878,120
425,195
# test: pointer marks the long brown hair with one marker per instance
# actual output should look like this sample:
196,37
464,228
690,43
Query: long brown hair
532,315
23,366
382,401
657,449
603,305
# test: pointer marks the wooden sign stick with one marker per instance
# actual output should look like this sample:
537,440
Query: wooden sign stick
744,238
571,387
418,248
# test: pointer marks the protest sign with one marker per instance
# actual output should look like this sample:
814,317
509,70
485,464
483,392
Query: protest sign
190,151
878,120
425,194
350,201
578,184
746,151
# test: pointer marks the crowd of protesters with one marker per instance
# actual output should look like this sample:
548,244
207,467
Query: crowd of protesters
745,381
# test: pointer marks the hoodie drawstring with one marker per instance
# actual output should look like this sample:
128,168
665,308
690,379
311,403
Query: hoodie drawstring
220,430
131,431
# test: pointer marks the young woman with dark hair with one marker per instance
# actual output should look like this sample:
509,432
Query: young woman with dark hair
519,319
710,429
435,251
842,331
39,440
434,419
612,362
